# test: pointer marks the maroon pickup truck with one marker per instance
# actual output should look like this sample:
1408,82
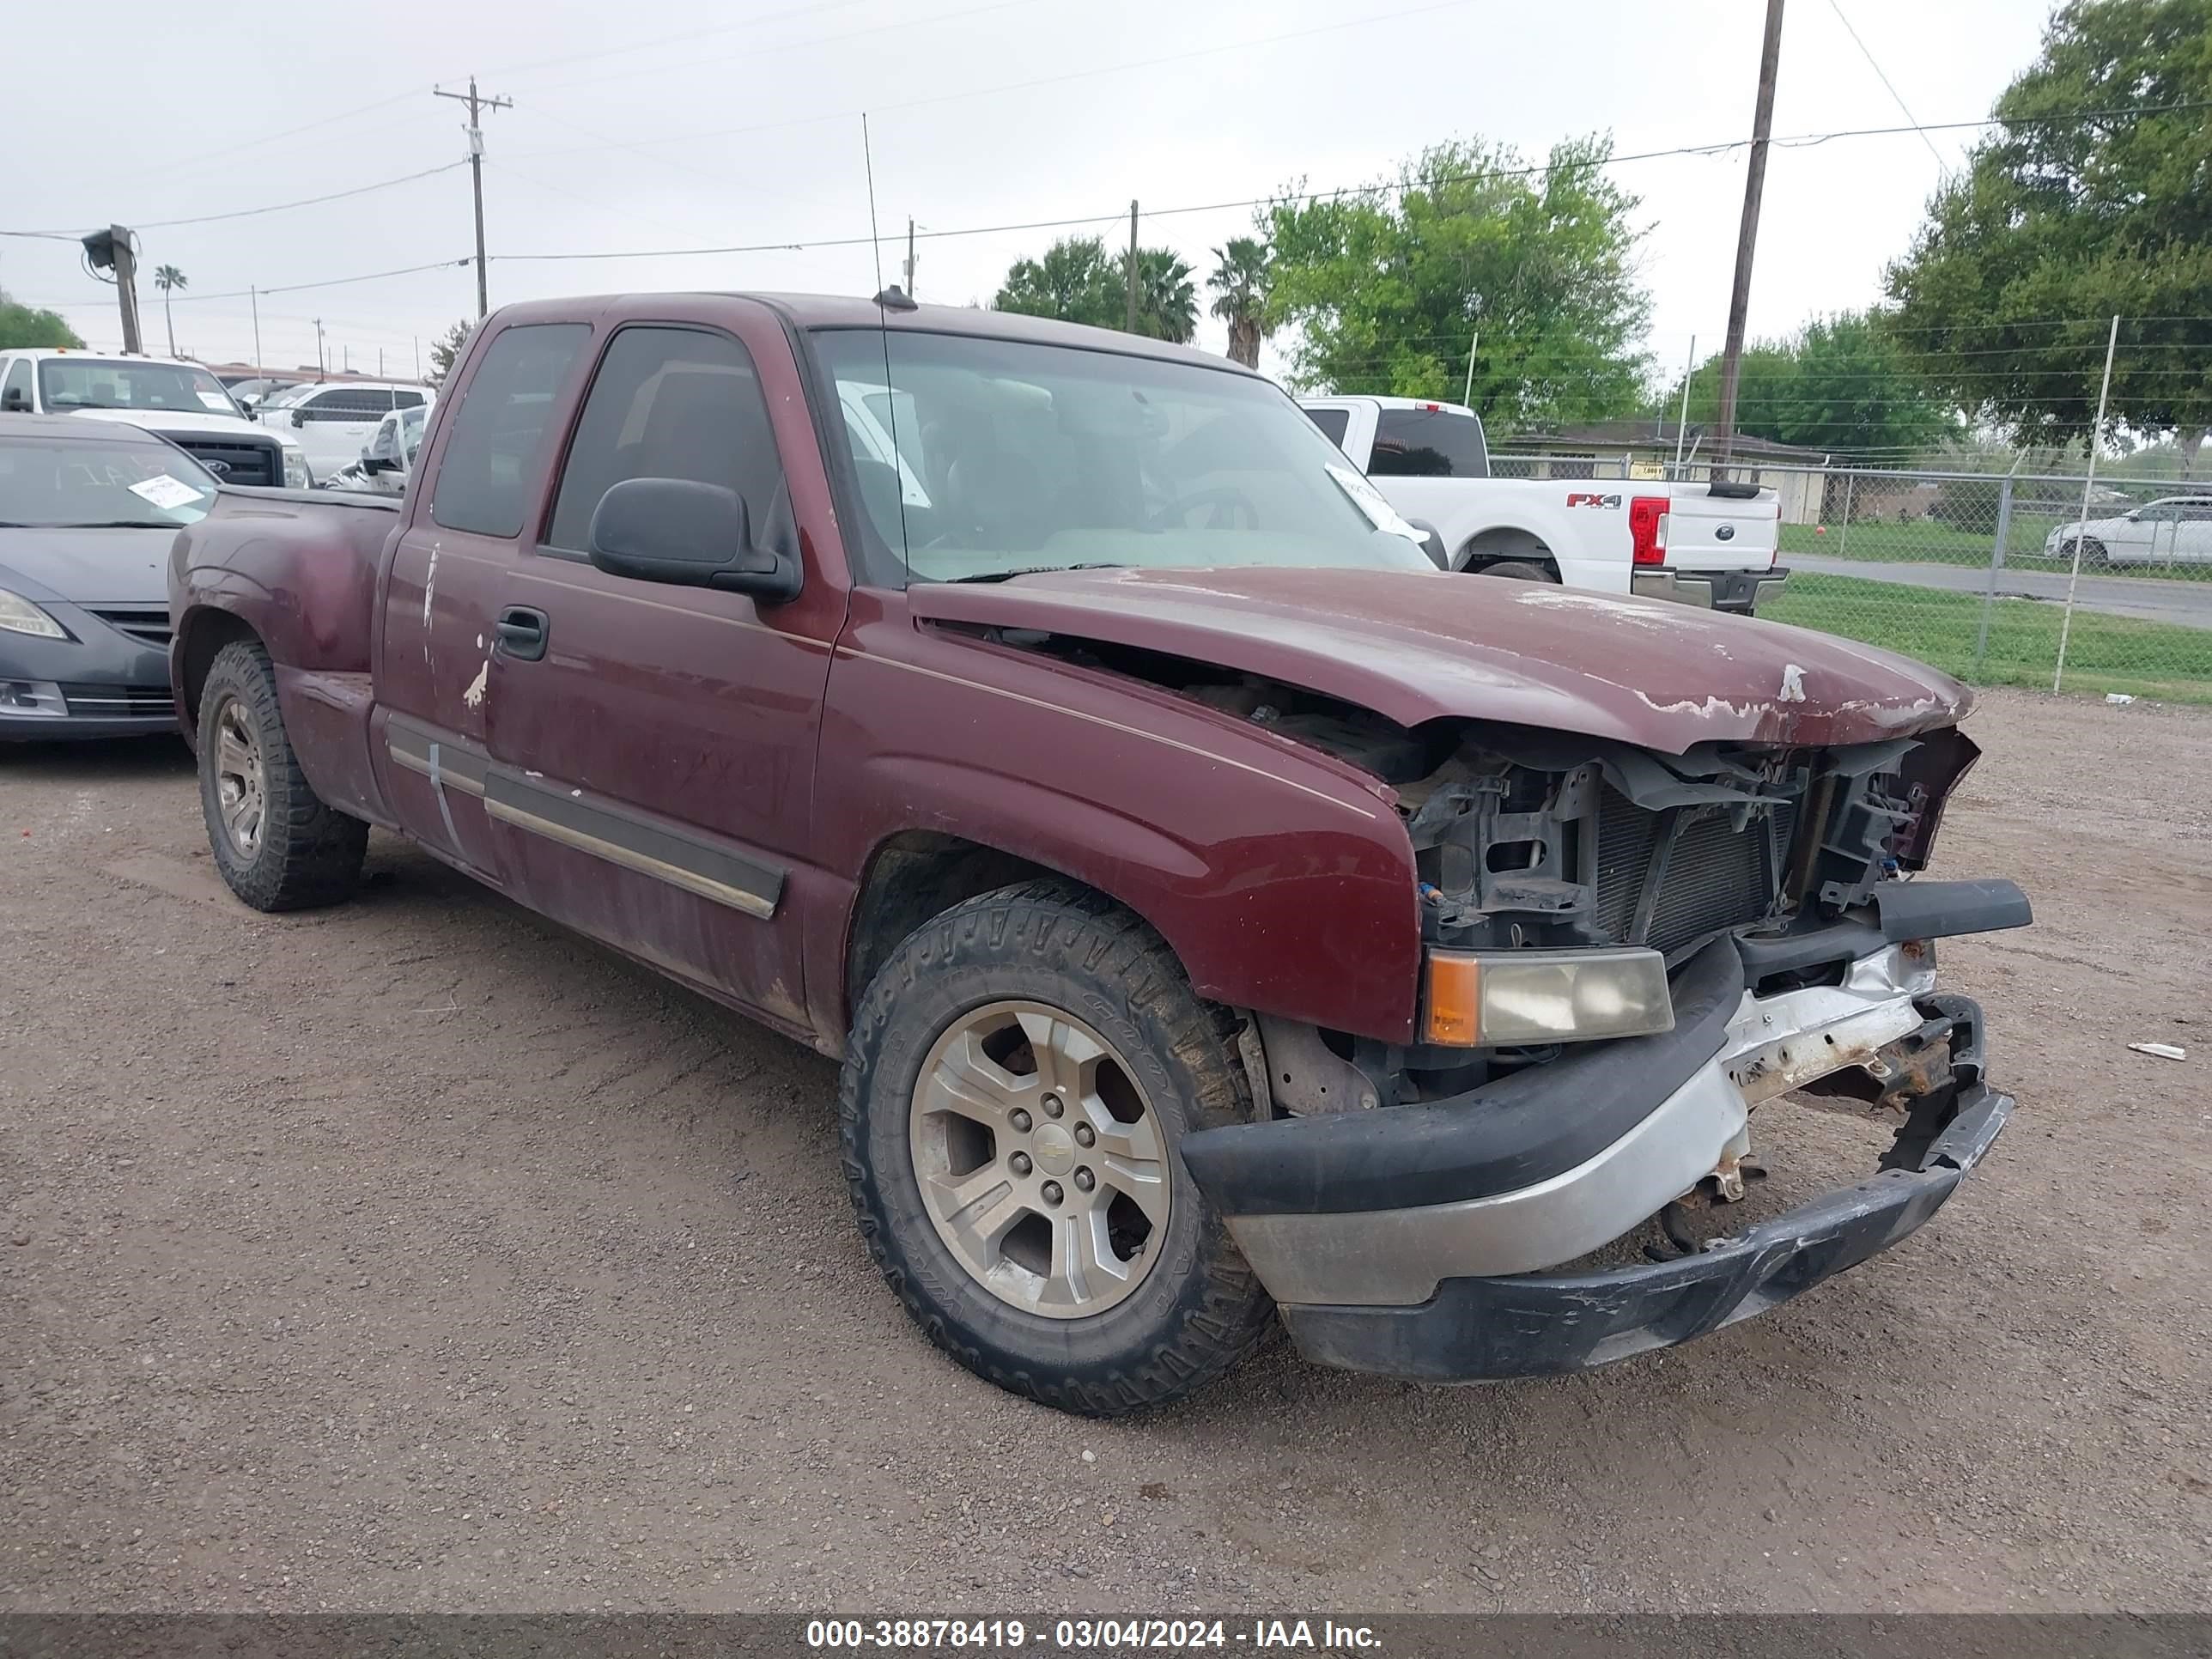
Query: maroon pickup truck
1220,912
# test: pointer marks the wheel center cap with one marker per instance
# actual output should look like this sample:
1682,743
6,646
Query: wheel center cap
1055,1149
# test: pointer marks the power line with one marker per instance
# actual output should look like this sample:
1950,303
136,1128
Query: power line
249,213
1836,6
801,245
328,281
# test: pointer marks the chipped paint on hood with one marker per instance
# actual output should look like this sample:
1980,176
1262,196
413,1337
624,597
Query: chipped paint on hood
1417,646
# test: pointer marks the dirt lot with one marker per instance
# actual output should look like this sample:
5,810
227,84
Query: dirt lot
416,1254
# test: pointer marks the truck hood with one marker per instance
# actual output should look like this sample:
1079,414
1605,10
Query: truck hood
1419,645
87,567
181,420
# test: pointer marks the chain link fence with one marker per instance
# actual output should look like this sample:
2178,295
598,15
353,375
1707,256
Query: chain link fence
1971,571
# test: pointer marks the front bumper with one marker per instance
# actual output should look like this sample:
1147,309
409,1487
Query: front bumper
1423,1240
1716,590
107,683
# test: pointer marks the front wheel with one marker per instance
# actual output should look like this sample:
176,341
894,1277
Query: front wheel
278,846
1018,1076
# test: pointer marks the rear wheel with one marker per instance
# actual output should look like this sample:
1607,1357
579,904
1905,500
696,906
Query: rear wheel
278,847
1519,570
1018,1075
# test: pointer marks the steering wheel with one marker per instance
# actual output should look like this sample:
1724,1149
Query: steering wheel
1227,501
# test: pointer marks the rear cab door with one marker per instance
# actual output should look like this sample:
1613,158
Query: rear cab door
472,499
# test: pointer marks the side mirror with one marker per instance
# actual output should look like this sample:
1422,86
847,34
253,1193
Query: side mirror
695,535
299,417
15,402
1433,543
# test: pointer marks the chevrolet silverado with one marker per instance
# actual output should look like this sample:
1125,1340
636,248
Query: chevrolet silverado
1220,913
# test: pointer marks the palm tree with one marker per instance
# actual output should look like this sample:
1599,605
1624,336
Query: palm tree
1167,304
1240,285
168,279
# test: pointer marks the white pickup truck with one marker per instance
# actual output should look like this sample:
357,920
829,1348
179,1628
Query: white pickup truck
1704,544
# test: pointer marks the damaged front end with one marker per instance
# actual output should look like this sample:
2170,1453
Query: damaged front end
1626,952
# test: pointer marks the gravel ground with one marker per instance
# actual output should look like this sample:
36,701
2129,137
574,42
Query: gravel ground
414,1255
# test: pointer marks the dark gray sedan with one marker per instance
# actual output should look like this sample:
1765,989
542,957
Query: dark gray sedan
87,510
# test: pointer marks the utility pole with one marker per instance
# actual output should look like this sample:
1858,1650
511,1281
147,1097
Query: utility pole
476,106
254,299
1133,268
1755,184
909,259
1682,420
111,249
320,370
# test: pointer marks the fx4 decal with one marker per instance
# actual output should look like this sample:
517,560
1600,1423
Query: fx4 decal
1581,499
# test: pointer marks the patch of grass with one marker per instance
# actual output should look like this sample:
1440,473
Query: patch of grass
1930,541
2103,653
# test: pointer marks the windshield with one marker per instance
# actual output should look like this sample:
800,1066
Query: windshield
65,483
1009,458
285,398
100,383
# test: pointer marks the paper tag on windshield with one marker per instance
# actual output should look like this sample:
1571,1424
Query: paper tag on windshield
216,401
164,491
1369,499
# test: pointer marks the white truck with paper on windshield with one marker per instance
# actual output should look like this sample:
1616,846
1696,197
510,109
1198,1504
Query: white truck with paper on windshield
1711,545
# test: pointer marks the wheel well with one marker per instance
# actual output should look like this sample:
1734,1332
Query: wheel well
206,632
1503,543
915,875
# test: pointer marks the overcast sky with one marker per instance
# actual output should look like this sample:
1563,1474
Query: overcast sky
669,124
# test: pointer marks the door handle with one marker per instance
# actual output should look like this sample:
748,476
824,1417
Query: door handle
521,633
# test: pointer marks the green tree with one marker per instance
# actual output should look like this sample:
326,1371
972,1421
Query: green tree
446,350
1074,281
1167,303
1841,384
169,279
1240,284
19,326
2070,213
1388,286
1078,281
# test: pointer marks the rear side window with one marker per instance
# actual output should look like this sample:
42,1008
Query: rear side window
500,428
1331,423
669,403
1428,443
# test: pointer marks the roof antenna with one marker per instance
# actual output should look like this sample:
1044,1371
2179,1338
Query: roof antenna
887,299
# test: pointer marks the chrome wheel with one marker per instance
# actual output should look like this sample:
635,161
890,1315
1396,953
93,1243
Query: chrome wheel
1040,1161
241,796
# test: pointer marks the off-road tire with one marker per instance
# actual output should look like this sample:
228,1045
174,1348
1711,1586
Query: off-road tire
1200,1309
309,853
1519,570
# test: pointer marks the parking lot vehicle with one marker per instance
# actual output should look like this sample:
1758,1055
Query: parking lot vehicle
1697,543
1217,908
332,423
181,401
87,510
386,459
2172,530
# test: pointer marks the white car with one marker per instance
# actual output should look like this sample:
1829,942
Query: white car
1704,544
181,401
387,458
332,421
2172,530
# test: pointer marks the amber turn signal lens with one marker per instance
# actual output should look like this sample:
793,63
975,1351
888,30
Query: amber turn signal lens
1455,1001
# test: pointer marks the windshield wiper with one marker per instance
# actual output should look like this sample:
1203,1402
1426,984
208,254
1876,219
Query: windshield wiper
1035,570
119,524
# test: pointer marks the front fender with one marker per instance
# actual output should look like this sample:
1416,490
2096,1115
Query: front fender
1283,880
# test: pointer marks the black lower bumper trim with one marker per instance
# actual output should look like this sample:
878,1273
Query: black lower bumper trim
1476,1330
